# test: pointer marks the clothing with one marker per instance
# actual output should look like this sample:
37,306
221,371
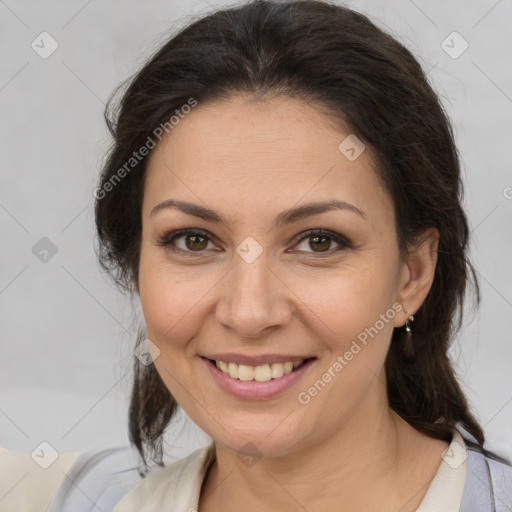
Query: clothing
107,480
97,481
91,481
24,485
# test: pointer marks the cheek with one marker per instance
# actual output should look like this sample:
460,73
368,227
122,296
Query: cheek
341,304
353,321
172,300
172,305
352,318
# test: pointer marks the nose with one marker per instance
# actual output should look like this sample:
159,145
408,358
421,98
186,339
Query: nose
255,301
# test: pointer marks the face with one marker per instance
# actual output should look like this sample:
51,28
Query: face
261,281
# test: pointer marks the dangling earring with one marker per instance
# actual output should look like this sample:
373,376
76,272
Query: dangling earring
408,348
408,326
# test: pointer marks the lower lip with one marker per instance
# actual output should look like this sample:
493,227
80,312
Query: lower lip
253,389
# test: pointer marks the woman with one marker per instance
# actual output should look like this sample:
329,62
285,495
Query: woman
298,245
284,197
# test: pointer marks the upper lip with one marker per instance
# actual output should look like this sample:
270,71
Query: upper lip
256,360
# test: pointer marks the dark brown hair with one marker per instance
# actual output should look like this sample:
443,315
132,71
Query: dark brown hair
338,60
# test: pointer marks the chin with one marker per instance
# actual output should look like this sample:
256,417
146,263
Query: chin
265,441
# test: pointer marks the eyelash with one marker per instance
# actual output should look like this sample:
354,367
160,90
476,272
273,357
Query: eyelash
167,240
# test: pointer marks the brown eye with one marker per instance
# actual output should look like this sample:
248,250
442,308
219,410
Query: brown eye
196,242
185,241
320,241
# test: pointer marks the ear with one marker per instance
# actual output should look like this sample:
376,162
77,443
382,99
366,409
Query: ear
417,273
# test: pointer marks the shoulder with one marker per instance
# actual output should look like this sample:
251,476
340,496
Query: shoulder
488,482
98,478
501,477
28,481
177,485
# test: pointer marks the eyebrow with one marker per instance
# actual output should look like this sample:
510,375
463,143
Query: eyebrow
287,217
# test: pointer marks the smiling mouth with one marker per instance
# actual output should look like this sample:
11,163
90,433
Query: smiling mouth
260,373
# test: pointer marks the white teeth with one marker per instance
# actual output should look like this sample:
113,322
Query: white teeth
245,372
260,373
233,370
276,370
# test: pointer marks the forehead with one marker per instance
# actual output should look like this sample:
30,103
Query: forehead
251,155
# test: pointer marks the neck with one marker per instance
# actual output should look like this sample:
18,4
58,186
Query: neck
381,455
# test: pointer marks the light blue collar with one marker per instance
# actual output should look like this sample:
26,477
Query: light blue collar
488,485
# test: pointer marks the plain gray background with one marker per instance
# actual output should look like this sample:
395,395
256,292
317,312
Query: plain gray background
66,333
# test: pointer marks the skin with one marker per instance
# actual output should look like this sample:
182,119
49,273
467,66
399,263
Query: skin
250,160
